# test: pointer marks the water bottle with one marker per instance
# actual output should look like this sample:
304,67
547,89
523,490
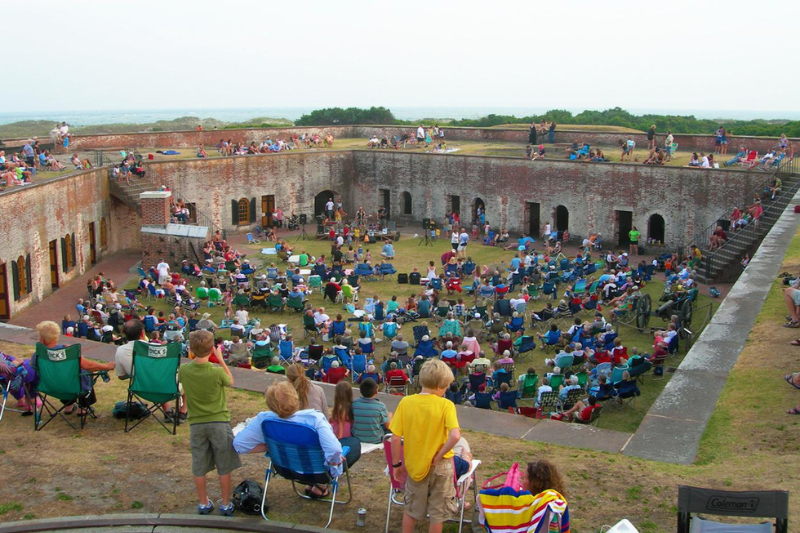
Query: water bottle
104,376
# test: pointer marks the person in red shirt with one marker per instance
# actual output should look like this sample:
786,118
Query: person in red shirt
602,356
718,238
581,411
394,375
335,374
659,353
619,354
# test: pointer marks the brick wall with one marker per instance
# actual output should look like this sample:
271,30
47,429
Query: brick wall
169,248
155,208
191,139
36,214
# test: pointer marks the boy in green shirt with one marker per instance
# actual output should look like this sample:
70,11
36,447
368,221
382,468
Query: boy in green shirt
426,427
211,437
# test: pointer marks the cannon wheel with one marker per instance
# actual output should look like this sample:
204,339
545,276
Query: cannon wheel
643,313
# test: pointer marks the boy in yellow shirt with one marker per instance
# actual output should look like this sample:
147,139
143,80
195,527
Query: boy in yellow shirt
426,426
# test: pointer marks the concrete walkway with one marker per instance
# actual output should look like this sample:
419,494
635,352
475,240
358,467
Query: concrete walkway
672,429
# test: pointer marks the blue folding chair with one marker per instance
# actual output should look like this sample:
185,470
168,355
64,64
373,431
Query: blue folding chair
436,283
517,324
338,328
426,349
286,351
368,348
358,366
295,453
390,330
526,344
344,355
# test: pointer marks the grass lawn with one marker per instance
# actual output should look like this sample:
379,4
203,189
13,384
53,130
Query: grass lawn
576,127
410,255
749,444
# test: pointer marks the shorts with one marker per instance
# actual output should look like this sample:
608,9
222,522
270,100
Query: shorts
434,496
29,161
796,297
462,247
669,150
212,446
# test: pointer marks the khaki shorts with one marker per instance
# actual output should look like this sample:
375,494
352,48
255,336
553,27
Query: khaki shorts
212,447
434,496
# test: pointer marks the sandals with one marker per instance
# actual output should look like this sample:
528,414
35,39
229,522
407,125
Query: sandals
326,493
790,380
792,324
795,342
793,411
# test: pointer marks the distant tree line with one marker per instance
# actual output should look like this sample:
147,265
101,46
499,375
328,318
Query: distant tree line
610,117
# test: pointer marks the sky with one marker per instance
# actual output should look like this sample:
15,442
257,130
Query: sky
162,54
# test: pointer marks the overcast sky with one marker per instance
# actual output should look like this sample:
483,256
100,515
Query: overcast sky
146,54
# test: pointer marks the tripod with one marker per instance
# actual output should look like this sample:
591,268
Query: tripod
303,235
426,238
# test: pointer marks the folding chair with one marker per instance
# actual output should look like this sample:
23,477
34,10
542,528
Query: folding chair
573,397
396,488
419,332
752,503
593,418
396,385
252,240
295,453
527,388
295,303
154,378
262,355
358,366
286,351
5,387
556,381
275,303
309,326
526,344
60,377
390,330
548,403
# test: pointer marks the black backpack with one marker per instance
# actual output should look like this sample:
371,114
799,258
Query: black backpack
247,497
120,411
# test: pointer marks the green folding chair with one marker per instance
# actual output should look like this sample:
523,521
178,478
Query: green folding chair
529,386
60,378
154,378
295,303
275,302
262,356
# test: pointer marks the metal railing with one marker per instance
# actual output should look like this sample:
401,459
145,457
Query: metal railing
787,166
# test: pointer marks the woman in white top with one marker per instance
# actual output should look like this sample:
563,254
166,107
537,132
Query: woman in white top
431,271
454,239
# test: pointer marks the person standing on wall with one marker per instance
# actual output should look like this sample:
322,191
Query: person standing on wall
421,134
532,134
651,138
634,235
552,134
668,144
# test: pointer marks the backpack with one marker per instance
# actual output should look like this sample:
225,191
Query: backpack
247,497
714,292
137,411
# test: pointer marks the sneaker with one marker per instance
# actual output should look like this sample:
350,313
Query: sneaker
205,509
226,510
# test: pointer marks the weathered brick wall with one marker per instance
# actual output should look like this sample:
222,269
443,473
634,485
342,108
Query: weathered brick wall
294,178
169,248
210,138
37,214
686,198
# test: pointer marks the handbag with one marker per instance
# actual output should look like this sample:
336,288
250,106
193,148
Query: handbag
247,497
511,479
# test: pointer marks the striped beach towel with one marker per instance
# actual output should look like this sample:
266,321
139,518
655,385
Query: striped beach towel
506,510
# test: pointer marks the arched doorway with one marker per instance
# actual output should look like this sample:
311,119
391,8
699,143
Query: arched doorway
319,203
656,228
478,208
562,218
407,205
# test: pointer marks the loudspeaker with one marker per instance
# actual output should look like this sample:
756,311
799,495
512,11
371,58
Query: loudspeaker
372,239
320,228
304,219
402,278
414,278
426,223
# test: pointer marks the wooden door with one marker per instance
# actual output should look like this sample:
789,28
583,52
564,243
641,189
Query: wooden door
92,244
54,264
267,210
5,312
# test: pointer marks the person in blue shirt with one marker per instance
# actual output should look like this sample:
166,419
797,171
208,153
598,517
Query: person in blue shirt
449,355
388,250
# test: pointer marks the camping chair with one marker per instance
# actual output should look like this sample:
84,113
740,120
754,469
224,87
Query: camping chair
358,365
286,351
154,378
390,330
483,400
527,389
262,355
5,387
556,381
344,355
564,362
616,373
627,391
526,344
309,326
757,504
295,303
548,403
517,323
426,349
396,385
315,282
442,310
507,400
295,453
275,302
419,332
638,367
60,377
573,397
503,377
252,240
658,367
396,488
